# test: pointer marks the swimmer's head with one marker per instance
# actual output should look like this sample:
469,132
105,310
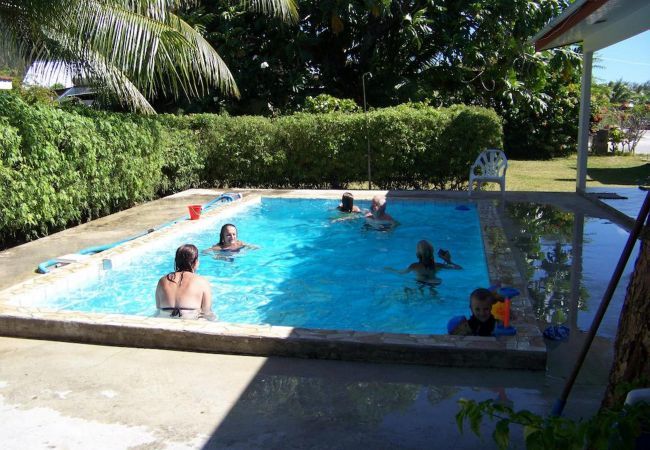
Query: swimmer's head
424,251
347,202
378,205
480,302
187,258
228,234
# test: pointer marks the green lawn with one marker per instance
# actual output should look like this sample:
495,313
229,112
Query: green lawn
559,174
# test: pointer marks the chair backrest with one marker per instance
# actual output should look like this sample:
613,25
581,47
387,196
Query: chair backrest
491,162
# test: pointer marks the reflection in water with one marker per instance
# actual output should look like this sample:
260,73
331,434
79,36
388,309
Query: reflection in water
543,235
316,398
351,405
568,260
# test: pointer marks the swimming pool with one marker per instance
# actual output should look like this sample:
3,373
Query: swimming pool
310,270
42,306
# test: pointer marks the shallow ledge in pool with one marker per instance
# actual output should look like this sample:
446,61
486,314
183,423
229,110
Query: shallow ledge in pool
526,350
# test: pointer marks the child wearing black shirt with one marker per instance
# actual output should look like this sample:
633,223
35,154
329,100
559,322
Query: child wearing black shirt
482,322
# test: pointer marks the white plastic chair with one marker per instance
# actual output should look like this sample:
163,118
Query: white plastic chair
490,166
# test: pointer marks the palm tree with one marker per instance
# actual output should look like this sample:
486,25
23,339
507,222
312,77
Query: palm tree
130,49
620,92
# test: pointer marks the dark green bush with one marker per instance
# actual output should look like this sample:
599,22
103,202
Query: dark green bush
62,166
410,148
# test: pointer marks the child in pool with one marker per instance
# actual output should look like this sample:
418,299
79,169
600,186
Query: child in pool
347,204
425,268
482,322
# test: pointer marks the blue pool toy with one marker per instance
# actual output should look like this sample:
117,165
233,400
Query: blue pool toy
462,208
454,322
500,330
557,332
508,292
505,292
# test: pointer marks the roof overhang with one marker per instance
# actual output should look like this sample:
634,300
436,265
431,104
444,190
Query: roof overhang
595,23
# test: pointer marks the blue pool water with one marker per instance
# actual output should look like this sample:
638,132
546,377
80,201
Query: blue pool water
310,271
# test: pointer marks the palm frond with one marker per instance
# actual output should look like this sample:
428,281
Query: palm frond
286,9
13,53
140,43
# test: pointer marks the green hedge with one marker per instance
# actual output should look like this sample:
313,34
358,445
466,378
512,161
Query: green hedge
63,166
410,148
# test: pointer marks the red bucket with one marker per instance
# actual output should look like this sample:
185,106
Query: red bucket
195,211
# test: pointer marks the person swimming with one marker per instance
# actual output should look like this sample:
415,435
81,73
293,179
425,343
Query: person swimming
425,268
347,204
182,293
348,207
228,241
377,217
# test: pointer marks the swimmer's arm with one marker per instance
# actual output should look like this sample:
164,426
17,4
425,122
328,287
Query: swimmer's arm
214,248
251,246
206,300
350,216
445,255
159,294
403,271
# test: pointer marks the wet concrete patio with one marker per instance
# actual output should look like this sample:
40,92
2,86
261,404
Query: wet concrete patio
65,395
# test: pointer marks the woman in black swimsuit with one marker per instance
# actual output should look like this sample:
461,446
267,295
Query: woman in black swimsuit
183,293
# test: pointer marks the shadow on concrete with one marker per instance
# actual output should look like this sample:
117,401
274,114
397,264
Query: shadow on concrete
629,176
294,403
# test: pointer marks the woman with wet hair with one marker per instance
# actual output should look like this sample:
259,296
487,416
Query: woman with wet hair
228,240
347,204
182,293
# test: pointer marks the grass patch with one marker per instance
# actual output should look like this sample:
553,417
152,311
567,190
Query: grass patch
559,174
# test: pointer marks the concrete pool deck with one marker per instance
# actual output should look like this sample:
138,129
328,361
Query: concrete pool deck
50,392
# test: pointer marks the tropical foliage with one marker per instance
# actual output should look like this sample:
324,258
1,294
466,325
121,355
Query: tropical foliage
324,103
609,428
132,49
443,52
622,111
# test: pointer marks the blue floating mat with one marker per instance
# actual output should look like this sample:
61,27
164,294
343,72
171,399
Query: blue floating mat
557,332
462,208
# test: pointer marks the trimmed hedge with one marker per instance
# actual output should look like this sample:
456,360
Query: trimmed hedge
410,148
60,167
63,166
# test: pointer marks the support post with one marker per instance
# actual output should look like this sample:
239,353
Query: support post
583,122
365,113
